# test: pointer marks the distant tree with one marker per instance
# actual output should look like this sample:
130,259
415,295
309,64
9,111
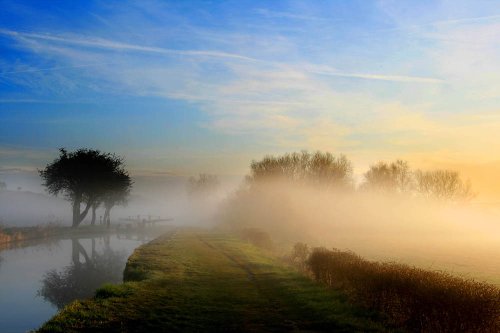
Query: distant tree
203,184
442,184
85,176
389,177
3,185
319,168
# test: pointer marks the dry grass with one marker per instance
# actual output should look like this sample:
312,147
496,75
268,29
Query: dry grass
411,298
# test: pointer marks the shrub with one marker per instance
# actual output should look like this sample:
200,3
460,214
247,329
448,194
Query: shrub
257,237
413,298
299,255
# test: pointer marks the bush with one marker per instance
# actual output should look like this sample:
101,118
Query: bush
257,237
413,298
299,256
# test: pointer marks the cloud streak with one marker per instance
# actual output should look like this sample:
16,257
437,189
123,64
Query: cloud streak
274,14
381,77
118,46
34,70
274,79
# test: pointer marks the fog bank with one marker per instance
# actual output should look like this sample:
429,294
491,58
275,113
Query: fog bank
464,239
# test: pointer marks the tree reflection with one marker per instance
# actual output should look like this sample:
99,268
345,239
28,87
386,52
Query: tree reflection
82,277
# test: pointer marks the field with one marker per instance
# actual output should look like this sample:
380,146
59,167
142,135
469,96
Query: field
192,280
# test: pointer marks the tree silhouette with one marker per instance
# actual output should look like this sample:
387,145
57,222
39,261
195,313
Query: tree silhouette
321,169
443,184
116,195
3,185
385,177
85,177
203,185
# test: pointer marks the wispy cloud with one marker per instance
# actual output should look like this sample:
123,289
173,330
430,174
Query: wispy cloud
39,101
443,23
114,45
280,14
467,20
34,70
277,88
370,76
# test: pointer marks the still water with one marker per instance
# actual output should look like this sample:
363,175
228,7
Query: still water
39,279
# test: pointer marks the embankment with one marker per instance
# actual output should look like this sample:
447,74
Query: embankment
194,280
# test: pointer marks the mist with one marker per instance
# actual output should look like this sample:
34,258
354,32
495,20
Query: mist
25,202
433,234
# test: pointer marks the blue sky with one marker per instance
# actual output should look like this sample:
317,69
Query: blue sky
207,86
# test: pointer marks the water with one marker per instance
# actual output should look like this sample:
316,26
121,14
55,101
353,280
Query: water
37,280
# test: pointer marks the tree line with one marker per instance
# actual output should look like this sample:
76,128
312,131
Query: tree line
93,178
328,171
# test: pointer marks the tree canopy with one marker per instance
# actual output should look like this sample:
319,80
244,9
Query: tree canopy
86,176
397,177
443,184
317,168
389,177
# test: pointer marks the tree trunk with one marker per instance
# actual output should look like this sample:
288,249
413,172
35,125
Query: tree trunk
94,207
77,216
84,213
76,212
107,218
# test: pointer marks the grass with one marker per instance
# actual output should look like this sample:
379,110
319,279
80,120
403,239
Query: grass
202,281
412,298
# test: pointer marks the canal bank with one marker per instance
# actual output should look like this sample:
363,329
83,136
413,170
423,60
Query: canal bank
40,276
194,280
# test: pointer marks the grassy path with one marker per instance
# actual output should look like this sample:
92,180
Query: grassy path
201,281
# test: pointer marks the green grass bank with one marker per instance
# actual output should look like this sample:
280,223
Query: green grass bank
197,281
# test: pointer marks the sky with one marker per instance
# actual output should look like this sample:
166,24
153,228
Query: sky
183,87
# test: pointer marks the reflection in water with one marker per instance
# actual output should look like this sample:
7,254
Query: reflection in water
84,275
39,276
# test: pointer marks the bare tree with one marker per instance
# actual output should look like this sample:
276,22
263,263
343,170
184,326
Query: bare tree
204,184
389,177
442,184
319,168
